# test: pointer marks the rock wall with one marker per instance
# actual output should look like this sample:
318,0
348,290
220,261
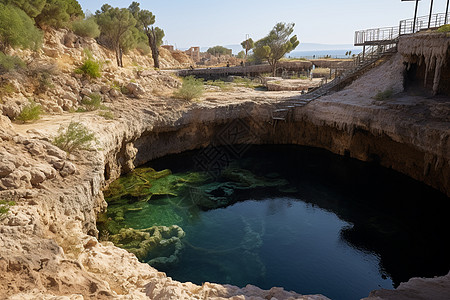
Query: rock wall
430,49
48,246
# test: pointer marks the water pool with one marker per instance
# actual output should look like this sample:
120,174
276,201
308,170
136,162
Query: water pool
295,217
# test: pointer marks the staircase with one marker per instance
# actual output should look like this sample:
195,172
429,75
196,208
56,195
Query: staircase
362,63
380,42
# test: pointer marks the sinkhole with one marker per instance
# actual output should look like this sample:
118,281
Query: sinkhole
295,217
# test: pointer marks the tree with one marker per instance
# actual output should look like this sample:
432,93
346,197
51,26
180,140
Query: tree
220,50
276,44
248,45
145,20
31,7
241,54
57,13
86,27
116,25
17,29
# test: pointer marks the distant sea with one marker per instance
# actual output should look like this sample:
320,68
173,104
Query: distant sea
321,53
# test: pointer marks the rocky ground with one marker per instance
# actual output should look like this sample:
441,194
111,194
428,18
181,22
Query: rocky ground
48,244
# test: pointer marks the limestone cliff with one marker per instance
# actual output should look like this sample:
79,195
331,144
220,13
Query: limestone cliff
48,244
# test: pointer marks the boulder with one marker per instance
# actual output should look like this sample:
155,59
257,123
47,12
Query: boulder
68,169
114,93
135,89
85,92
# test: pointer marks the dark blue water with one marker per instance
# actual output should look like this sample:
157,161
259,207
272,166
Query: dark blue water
277,242
295,217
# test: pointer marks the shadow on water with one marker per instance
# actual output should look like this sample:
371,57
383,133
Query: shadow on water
381,213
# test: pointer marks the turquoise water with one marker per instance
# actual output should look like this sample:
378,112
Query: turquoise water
288,216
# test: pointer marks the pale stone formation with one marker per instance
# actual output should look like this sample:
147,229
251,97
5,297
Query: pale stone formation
428,48
48,248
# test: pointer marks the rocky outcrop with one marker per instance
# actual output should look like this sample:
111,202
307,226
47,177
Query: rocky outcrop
48,244
430,49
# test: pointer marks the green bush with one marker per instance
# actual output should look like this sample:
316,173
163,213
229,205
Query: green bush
224,87
90,68
444,28
192,88
244,82
30,112
87,28
93,102
6,89
17,29
108,115
387,94
143,48
74,136
9,63
4,207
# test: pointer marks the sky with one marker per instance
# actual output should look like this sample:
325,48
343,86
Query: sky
204,23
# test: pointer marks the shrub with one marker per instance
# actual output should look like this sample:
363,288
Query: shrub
74,136
192,88
143,48
87,28
387,94
30,112
7,88
108,115
444,28
244,82
93,102
44,81
4,207
90,67
9,63
17,29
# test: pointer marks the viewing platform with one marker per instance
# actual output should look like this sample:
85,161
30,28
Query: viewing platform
389,35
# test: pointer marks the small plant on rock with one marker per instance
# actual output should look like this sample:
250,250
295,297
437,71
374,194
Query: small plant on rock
9,63
192,88
4,207
93,102
108,115
90,67
74,136
31,112
387,94
444,28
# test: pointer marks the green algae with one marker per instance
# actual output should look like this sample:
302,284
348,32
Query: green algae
147,208
155,245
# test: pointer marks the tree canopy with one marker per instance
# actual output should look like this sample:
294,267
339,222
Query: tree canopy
31,7
276,44
218,50
57,13
116,25
248,45
17,29
144,21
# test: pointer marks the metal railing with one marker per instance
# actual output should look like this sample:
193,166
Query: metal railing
373,52
385,35
377,35
437,20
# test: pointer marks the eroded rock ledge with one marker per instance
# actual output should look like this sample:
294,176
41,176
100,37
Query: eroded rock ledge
47,245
